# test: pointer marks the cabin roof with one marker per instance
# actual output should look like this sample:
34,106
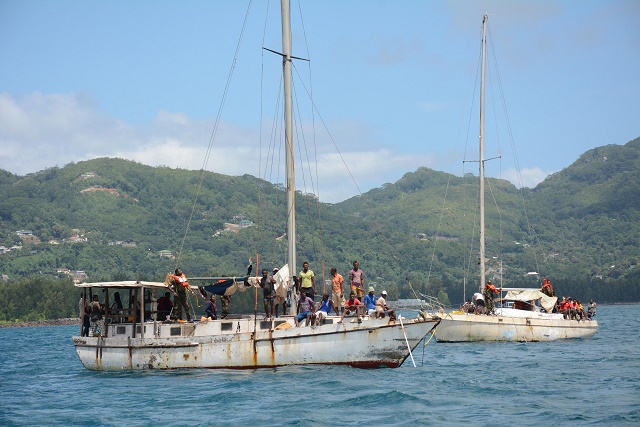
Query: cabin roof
122,284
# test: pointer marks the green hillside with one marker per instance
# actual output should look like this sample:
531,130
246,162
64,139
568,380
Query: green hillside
117,219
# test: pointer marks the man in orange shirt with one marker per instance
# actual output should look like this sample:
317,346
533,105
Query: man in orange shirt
337,291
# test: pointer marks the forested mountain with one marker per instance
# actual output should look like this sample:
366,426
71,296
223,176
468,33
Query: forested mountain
117,219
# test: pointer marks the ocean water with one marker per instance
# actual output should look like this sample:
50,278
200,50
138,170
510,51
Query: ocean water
577,382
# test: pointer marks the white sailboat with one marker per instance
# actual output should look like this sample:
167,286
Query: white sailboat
136,338
537,323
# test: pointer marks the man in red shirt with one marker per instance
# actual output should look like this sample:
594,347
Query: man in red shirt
353,305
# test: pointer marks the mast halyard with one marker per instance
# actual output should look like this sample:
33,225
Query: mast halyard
481,162
288,125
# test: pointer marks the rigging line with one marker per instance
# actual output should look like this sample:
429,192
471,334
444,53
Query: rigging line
497,133
313,122
493,102
394,257
267,173
214,132
444,202
530,229
495,202
475,220
300,131
475,227
314,184
313,128
259,228
315,108
278,168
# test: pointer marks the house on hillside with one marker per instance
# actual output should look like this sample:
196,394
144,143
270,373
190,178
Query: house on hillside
79,276
88,175
237,227
166,253
122,243
22,233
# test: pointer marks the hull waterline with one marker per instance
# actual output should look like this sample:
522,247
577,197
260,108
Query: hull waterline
370,344
469,328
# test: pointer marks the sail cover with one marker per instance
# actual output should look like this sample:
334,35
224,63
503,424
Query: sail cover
532,295
282,281
229,286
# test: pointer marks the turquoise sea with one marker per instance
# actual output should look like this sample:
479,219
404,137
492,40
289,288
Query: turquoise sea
578,382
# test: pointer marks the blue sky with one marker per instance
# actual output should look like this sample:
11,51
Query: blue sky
393,81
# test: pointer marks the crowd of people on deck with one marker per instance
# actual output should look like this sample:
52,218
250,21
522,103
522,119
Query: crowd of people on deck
573,309
482,303
358,305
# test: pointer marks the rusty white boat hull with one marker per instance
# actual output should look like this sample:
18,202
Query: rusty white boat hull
511,325
231,344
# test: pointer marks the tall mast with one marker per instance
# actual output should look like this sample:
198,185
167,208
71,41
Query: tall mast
481,162
288,132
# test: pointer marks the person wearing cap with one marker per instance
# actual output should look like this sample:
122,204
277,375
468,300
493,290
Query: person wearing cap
382,309
370,301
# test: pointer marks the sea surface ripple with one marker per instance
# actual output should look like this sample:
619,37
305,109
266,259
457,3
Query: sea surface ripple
576,382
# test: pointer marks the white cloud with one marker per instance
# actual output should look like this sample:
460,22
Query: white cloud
38,131
528,177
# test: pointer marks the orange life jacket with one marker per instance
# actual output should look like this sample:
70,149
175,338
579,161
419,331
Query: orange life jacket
182,280
492,288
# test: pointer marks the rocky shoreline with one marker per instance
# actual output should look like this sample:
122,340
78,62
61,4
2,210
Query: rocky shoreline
54,322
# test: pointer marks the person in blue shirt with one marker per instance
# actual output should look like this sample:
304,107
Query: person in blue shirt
370,301
324,308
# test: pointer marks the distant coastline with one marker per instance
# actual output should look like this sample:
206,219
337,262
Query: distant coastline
54,322
76,321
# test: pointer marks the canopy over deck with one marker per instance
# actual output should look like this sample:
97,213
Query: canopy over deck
121,284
